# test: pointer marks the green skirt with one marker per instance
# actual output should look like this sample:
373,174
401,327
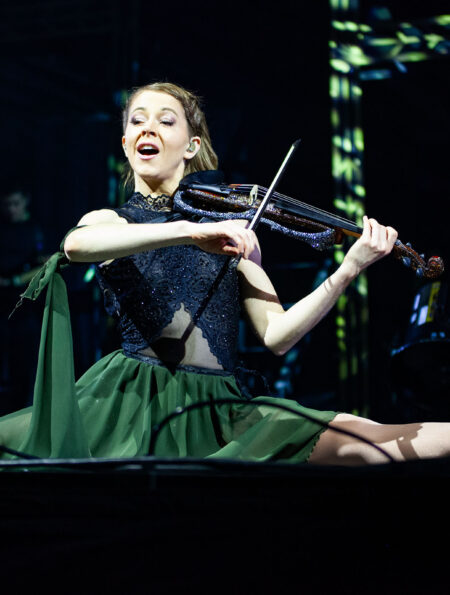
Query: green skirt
113,409
122,399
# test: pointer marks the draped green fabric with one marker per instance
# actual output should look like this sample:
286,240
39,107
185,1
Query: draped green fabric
113,407
56,428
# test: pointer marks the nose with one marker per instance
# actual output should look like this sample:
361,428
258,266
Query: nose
149,128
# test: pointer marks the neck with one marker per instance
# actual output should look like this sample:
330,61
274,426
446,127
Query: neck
153,187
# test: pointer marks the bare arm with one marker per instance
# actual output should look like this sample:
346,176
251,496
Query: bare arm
278,329
106,236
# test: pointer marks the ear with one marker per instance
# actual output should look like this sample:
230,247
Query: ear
124,145
193,148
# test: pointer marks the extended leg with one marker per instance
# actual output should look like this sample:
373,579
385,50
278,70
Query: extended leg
402,442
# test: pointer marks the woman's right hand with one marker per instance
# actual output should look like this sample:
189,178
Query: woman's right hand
225,237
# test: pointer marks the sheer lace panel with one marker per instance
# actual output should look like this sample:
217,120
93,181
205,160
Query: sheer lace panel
182,342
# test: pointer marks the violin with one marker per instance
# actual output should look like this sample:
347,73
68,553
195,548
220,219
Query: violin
289,216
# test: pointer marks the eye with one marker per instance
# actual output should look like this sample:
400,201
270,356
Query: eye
137,120
167,122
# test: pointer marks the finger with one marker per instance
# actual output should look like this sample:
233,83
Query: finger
241,240
233,235
367,230
392,236
230,250
375,233
382,240
241,244
250,243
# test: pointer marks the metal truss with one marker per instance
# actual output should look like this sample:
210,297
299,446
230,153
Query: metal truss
360,52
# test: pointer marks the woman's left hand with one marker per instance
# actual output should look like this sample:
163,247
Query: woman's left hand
375,242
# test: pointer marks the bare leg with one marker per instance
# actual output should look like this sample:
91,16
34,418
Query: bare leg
402,442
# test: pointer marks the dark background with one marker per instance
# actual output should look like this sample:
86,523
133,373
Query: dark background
263,70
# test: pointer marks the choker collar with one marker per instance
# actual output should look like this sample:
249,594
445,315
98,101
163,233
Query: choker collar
162,202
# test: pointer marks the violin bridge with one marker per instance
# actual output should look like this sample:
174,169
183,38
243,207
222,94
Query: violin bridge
254,193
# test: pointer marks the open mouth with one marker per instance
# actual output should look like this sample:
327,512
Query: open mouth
147,150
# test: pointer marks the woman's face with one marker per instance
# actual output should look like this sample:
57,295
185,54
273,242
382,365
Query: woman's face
156,141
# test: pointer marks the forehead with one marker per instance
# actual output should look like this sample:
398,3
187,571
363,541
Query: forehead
156,100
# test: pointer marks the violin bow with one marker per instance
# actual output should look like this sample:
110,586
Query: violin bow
234,260
265,201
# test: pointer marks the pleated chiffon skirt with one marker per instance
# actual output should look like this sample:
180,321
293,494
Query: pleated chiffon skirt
121,400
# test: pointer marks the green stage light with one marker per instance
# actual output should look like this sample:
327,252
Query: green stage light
339,256
351,26
433,40
334,86
382,42
443,20
347,145
340,65
359,190
408,39
89,274
358,135
363,289
335,119
413,57
339,25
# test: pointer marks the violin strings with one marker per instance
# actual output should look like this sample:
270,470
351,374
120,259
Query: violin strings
293,201
313,209
261,192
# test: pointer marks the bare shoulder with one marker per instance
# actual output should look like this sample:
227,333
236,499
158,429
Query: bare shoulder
101,216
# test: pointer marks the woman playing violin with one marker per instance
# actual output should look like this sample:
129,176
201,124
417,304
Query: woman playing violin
156,267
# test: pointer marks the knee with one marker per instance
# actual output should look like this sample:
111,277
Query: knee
358,446
354,423
350,418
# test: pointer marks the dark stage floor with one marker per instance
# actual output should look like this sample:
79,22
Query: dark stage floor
196,526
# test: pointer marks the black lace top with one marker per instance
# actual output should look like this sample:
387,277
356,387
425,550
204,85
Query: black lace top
145,290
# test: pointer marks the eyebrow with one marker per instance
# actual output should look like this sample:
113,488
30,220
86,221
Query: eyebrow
163,109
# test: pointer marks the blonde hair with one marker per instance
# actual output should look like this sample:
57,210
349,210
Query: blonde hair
206,157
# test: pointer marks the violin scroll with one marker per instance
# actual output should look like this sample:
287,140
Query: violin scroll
431,269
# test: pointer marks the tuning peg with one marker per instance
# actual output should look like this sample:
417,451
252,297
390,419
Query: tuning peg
419,272
408,244
406,261
422,256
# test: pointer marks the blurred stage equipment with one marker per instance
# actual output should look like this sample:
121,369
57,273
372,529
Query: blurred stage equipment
420,359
